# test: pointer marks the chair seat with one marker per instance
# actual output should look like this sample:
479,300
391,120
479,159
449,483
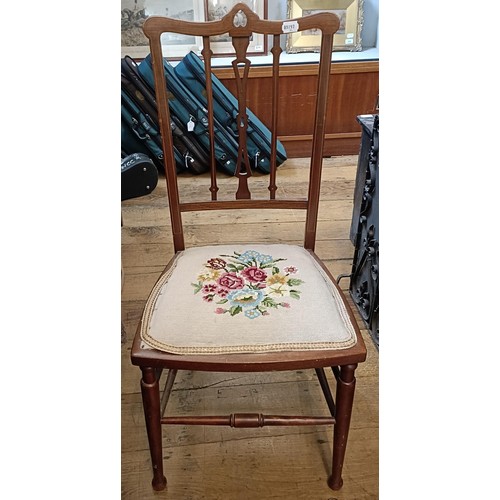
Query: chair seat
227,299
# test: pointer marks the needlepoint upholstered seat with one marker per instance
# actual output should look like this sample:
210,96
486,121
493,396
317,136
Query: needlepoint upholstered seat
239,307
234,296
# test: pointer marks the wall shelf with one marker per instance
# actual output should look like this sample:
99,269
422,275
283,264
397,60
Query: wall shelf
371,54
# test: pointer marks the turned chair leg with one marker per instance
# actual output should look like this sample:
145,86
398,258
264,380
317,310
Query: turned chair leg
152,413
344,399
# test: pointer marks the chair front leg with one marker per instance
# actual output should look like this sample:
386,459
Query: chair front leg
346,383
151,401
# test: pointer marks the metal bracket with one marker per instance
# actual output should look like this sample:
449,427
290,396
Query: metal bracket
341,276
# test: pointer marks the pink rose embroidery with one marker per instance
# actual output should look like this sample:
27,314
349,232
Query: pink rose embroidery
231,281
254,274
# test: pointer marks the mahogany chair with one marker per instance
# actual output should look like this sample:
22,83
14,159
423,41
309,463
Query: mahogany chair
239,307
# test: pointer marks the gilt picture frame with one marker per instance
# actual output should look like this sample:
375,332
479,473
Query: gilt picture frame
348,36
175,46
221,45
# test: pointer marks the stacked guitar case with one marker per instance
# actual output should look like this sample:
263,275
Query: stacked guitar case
140,128
191,72
189,119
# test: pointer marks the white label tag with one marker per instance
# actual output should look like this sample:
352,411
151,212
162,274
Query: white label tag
290,27
350,35
349,41
190,125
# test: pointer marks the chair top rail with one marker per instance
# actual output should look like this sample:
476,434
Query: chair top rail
237,24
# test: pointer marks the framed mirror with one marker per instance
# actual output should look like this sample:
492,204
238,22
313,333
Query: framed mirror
348,36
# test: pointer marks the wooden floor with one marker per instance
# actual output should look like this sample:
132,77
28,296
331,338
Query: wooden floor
212,463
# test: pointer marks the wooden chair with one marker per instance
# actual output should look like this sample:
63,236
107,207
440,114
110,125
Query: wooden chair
246,308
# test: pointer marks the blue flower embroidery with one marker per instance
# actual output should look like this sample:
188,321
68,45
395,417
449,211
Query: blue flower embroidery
245,297
264,259
248,256
253,313
254,256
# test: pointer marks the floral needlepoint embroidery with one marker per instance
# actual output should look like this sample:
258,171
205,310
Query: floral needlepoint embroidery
250,283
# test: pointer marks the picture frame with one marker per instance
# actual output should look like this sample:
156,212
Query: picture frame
135,12
221,45
348,36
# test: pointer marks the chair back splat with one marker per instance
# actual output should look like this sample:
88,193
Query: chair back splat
241,23
236,307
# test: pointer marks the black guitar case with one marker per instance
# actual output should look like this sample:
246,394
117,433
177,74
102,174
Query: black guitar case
139,176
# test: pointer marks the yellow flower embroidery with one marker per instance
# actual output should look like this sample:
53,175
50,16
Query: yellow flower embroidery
209,275
279,290
277,278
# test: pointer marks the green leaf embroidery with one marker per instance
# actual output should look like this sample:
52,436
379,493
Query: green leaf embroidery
269,302
294,294
197,287
294,282
223,301
235,310
270,263
235,268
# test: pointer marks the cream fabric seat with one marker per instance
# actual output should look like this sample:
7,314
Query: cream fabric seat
245,298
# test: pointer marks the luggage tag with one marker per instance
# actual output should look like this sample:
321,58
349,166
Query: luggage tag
190,124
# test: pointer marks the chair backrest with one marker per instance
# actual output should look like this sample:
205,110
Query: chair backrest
240,23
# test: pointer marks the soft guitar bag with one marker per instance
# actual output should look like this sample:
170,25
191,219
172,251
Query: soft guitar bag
188,155
189,110
191,71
